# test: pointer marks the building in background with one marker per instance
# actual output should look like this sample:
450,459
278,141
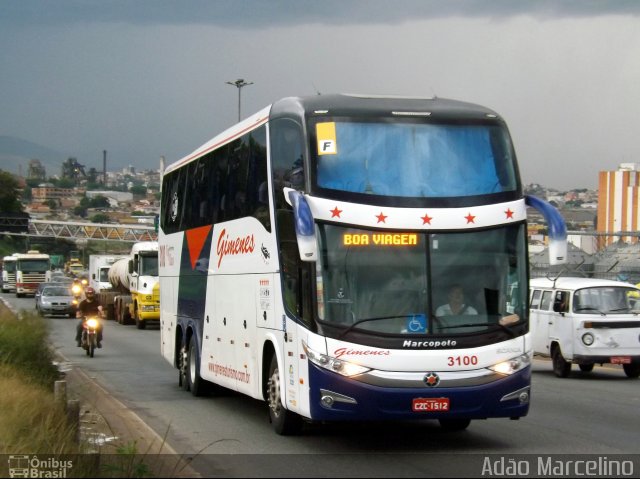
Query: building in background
618,208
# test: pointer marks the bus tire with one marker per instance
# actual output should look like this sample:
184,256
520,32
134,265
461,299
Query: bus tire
183,382
561,367
195,382
454,424
284,422
631,370
586,368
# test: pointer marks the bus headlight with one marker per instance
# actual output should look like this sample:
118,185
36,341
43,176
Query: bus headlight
333,364
588,339
512,365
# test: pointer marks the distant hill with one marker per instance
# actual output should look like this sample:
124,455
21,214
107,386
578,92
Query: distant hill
16,151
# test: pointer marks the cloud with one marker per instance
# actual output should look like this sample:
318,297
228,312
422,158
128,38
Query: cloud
265,14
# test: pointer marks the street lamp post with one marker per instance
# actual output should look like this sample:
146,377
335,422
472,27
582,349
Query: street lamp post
239,83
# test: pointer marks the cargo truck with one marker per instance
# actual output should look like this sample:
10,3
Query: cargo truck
135,291
32,268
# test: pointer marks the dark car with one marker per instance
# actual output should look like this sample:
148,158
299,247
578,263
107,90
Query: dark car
56,299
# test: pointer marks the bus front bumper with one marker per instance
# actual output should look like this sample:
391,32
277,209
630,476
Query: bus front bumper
334,397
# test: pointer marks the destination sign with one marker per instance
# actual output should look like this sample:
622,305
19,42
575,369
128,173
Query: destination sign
380,239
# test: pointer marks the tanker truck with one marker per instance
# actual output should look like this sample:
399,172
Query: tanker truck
135,293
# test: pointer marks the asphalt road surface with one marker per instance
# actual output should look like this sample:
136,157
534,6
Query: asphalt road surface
595,414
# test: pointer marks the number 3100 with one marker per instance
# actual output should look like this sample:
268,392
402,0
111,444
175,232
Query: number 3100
462,360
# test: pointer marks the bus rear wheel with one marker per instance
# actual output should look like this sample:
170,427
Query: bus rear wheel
183,382
284,422
195,382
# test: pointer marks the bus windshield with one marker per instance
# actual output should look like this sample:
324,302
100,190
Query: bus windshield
390,158
403,282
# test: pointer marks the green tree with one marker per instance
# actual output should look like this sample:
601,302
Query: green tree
9,193
100,218
98,202
80,211
138,190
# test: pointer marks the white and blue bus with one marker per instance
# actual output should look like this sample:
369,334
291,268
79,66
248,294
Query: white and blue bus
306,254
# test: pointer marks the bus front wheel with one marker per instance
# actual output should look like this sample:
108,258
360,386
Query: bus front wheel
284,422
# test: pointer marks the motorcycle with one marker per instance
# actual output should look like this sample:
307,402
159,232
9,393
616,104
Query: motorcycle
89,339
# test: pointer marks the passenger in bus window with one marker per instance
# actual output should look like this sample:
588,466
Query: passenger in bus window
456,303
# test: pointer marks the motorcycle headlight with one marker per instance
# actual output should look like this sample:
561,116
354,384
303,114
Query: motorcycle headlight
512,365
76,289
92,323
333,364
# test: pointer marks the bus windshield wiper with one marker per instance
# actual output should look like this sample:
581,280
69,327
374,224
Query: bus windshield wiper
469,325
360,321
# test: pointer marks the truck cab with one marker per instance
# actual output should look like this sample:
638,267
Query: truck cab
585,321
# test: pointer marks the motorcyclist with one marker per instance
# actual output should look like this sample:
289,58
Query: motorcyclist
89,307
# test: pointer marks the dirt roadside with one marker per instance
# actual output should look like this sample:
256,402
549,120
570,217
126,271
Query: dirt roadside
110,429
115,433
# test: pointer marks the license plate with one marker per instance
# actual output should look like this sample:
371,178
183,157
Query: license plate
430,405
620,359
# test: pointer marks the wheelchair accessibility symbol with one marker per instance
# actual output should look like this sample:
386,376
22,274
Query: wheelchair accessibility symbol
417,323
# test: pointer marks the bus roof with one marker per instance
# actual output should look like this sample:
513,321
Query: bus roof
376,105
346,105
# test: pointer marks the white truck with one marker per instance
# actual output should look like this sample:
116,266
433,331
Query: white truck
135,287
99,266
585,321
32,268
9,274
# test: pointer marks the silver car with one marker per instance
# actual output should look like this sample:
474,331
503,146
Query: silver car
56,299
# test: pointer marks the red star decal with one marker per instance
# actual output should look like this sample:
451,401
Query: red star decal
431,380
426,219
470,218
509,214
381,218
335,213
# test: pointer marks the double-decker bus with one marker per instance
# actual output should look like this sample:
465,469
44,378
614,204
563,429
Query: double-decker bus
307,255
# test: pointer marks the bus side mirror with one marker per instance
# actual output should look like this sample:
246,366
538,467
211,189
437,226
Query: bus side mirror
557,229
304,225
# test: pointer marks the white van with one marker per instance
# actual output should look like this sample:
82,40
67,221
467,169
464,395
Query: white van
585,321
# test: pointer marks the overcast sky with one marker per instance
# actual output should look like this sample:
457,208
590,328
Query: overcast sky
145,78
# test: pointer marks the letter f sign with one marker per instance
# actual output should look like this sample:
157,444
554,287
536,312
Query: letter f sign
327,147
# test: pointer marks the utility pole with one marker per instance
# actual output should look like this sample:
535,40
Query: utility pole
239,83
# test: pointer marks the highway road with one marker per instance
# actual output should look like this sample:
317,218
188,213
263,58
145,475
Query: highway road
595,414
